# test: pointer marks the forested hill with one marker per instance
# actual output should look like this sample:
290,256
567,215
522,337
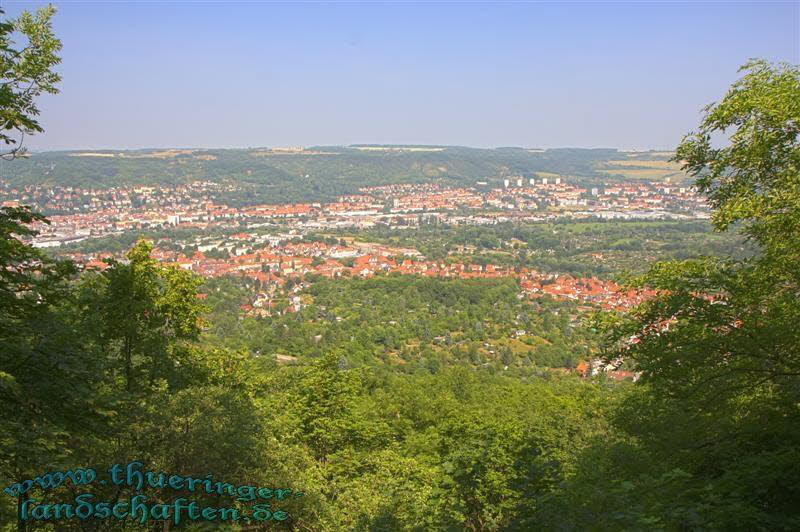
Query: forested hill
317,173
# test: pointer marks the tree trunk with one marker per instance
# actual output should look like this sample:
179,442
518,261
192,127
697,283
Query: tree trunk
128,364
21,523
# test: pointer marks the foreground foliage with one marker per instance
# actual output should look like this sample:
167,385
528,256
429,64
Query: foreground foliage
369,447
713,439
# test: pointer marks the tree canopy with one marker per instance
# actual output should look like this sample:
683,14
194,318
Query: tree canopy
719,349
26,72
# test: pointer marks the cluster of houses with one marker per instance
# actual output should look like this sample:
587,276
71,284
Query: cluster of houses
268,270
71,200
78,214
601,293
278,266
609,369
278,272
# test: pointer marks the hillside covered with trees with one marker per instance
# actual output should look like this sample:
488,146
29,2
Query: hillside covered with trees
311,174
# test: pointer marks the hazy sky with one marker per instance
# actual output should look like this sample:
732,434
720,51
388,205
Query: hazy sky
205,74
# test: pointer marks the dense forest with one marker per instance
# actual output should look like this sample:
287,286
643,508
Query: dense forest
393,414
408,323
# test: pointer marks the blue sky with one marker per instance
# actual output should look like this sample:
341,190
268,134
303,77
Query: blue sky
204,74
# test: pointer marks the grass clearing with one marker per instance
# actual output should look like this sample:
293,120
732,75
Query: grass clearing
646,170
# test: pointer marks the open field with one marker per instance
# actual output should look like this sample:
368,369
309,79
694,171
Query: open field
648,154
163,154
649,164
398,148
649,170
267,152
